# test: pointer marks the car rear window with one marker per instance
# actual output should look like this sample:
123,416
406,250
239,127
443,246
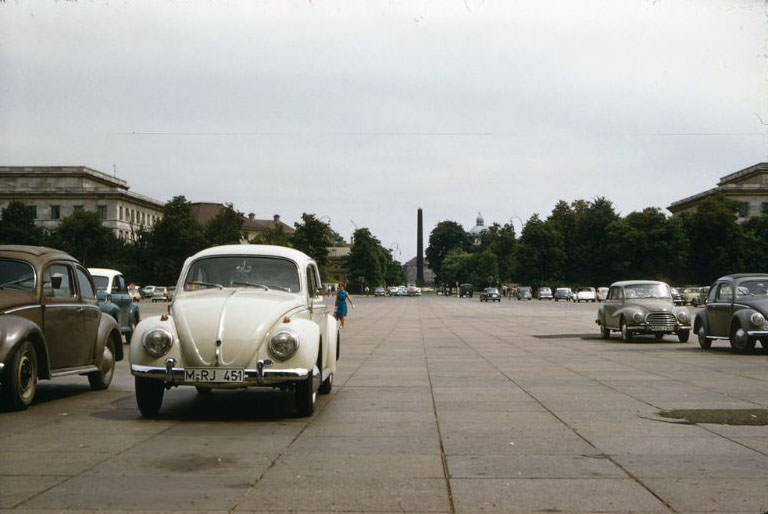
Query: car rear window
16,275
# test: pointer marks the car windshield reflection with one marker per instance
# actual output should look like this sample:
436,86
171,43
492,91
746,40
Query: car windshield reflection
254,272
648,291
752,288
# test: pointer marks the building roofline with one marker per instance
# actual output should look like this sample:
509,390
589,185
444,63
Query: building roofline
96,175
736,175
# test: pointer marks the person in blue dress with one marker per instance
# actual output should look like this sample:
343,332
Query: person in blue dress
342,297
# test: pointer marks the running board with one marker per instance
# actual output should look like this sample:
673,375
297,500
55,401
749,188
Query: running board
74,371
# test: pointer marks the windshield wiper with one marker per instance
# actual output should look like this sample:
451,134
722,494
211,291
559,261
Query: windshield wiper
250,284
206,284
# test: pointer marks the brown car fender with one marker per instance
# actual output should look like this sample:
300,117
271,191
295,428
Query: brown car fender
108,327
14,330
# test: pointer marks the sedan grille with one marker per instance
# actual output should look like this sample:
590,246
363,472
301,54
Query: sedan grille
660,318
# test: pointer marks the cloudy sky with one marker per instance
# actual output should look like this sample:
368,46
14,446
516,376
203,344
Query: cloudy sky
363,111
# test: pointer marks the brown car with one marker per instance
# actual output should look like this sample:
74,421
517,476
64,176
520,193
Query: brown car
50,323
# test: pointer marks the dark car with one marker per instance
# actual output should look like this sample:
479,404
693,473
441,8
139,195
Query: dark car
490,294
466,290
524,293
735,311
115,300
563,293
50,323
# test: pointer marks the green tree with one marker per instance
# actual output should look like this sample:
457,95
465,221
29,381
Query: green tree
272,236
755,247
501,242
313,237
647,244
17,226
83,236
446,236
367,260
540,254
395,273
172,239
715,239
591,260
225,227
457,267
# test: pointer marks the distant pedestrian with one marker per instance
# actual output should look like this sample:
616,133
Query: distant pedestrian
342,297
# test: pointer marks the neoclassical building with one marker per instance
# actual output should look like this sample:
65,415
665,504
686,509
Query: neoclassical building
749,187
54,192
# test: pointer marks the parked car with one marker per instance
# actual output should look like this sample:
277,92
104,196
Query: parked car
160,294
642,307
243,316
413,291
490,294
115,300
379,291
147,291
602,294
50,323
563,293
524,293
544,293
735,311
677,296
691,295
466,290
585,294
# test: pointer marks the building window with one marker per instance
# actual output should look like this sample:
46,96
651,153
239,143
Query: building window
764,208
102,210
55,212
120,216
32,211
743,209
77,208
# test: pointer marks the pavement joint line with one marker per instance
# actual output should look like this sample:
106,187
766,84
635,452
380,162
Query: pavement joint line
274,461
552,413
443,457
107,456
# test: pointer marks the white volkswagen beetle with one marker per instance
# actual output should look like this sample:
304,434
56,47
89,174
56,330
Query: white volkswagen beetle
243,315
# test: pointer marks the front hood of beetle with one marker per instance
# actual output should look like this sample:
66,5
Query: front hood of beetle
240,318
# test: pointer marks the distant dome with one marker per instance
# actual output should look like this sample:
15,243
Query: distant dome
479,227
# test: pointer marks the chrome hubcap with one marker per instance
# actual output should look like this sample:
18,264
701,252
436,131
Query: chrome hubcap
26,378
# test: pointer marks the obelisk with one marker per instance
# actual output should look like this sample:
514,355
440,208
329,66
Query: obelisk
420,251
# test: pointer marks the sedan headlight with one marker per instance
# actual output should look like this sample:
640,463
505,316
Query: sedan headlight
157,342
283,344
638,317
683,317
757,319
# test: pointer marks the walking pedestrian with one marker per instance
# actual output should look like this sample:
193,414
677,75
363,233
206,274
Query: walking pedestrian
342,297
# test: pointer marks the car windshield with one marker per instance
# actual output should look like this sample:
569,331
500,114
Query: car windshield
585,290
101,282
757,287
491,290
243,271
647,291
525,289
18,275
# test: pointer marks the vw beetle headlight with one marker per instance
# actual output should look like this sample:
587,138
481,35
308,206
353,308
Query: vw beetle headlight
683,317
157,342
638,317
757,319
283,344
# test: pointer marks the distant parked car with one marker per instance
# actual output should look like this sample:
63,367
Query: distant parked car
379,291
691,295
160,294
50,324
147,291
413,291
602,294
677,296
563,293
466,290
524,293
544,293
585,294
490,294
735,311
115,300
642,307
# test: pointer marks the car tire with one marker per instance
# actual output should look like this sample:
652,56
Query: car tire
327,385
683,335
203,390
149,396
20,381
740,340
101,379
625,333
605,332
305,398
704,343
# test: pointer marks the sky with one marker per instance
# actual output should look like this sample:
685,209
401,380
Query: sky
362,111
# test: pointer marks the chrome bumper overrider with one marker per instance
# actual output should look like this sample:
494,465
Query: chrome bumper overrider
650,328
253,377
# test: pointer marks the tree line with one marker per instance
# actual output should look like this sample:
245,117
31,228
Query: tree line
156,254
588,243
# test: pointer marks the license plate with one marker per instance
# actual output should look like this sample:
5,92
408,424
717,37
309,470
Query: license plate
662,329
221,375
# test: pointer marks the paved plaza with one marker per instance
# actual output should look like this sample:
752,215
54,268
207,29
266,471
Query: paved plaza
439,405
